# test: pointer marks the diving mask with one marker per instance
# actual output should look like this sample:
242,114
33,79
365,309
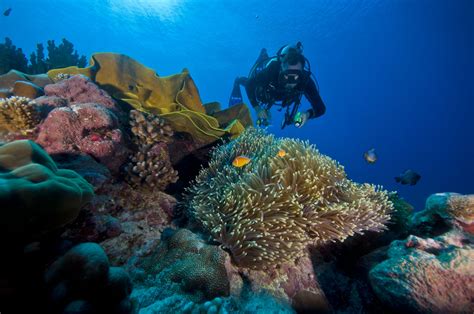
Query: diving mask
290,78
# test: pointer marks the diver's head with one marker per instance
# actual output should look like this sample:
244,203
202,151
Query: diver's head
291,71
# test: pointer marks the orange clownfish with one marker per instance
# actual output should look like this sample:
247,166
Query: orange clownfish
240,161
281,153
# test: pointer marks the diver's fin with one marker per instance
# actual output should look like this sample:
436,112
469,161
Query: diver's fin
236,95
262,56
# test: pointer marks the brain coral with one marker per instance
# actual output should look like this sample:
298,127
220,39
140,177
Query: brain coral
36,196
268,211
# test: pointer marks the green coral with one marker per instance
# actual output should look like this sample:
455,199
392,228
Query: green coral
64,55
11,57
35,195
268,211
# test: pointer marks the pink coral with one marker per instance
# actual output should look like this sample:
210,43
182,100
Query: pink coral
88,128
80,89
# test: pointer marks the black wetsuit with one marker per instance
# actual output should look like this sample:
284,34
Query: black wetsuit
264,88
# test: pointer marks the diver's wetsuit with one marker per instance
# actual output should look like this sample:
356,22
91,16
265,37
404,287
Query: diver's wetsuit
265,88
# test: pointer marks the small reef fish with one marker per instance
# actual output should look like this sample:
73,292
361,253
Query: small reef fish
7,12
370,156
240,161
408,177
281,153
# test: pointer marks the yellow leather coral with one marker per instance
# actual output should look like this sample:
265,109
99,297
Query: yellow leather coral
175,98
36,196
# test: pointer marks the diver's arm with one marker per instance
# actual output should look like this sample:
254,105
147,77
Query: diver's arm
317,105
261,79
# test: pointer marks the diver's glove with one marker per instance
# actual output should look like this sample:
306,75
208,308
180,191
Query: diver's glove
301,118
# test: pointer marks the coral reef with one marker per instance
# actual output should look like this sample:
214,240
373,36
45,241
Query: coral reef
18,114
187,275
85,128
82,279
174,97
268,212
150,165
125,221
35,195
183,264
293,283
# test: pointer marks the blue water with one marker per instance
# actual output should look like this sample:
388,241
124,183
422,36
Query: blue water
395,75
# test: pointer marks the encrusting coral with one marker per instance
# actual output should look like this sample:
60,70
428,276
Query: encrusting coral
18,114
268,211
150,166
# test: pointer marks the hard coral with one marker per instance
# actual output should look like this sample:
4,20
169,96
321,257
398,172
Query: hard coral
268,211
149,128
184,264
18,114
150,166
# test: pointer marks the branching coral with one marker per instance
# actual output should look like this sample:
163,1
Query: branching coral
150,166
149,128
268,211
18,114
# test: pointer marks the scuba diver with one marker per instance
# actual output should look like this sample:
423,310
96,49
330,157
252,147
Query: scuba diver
281,80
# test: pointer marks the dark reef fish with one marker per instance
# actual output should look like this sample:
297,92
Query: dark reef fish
408,177
7,12
370,156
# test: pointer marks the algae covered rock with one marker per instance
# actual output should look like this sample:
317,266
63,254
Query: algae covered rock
431,270
36,196
427,275
444,211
